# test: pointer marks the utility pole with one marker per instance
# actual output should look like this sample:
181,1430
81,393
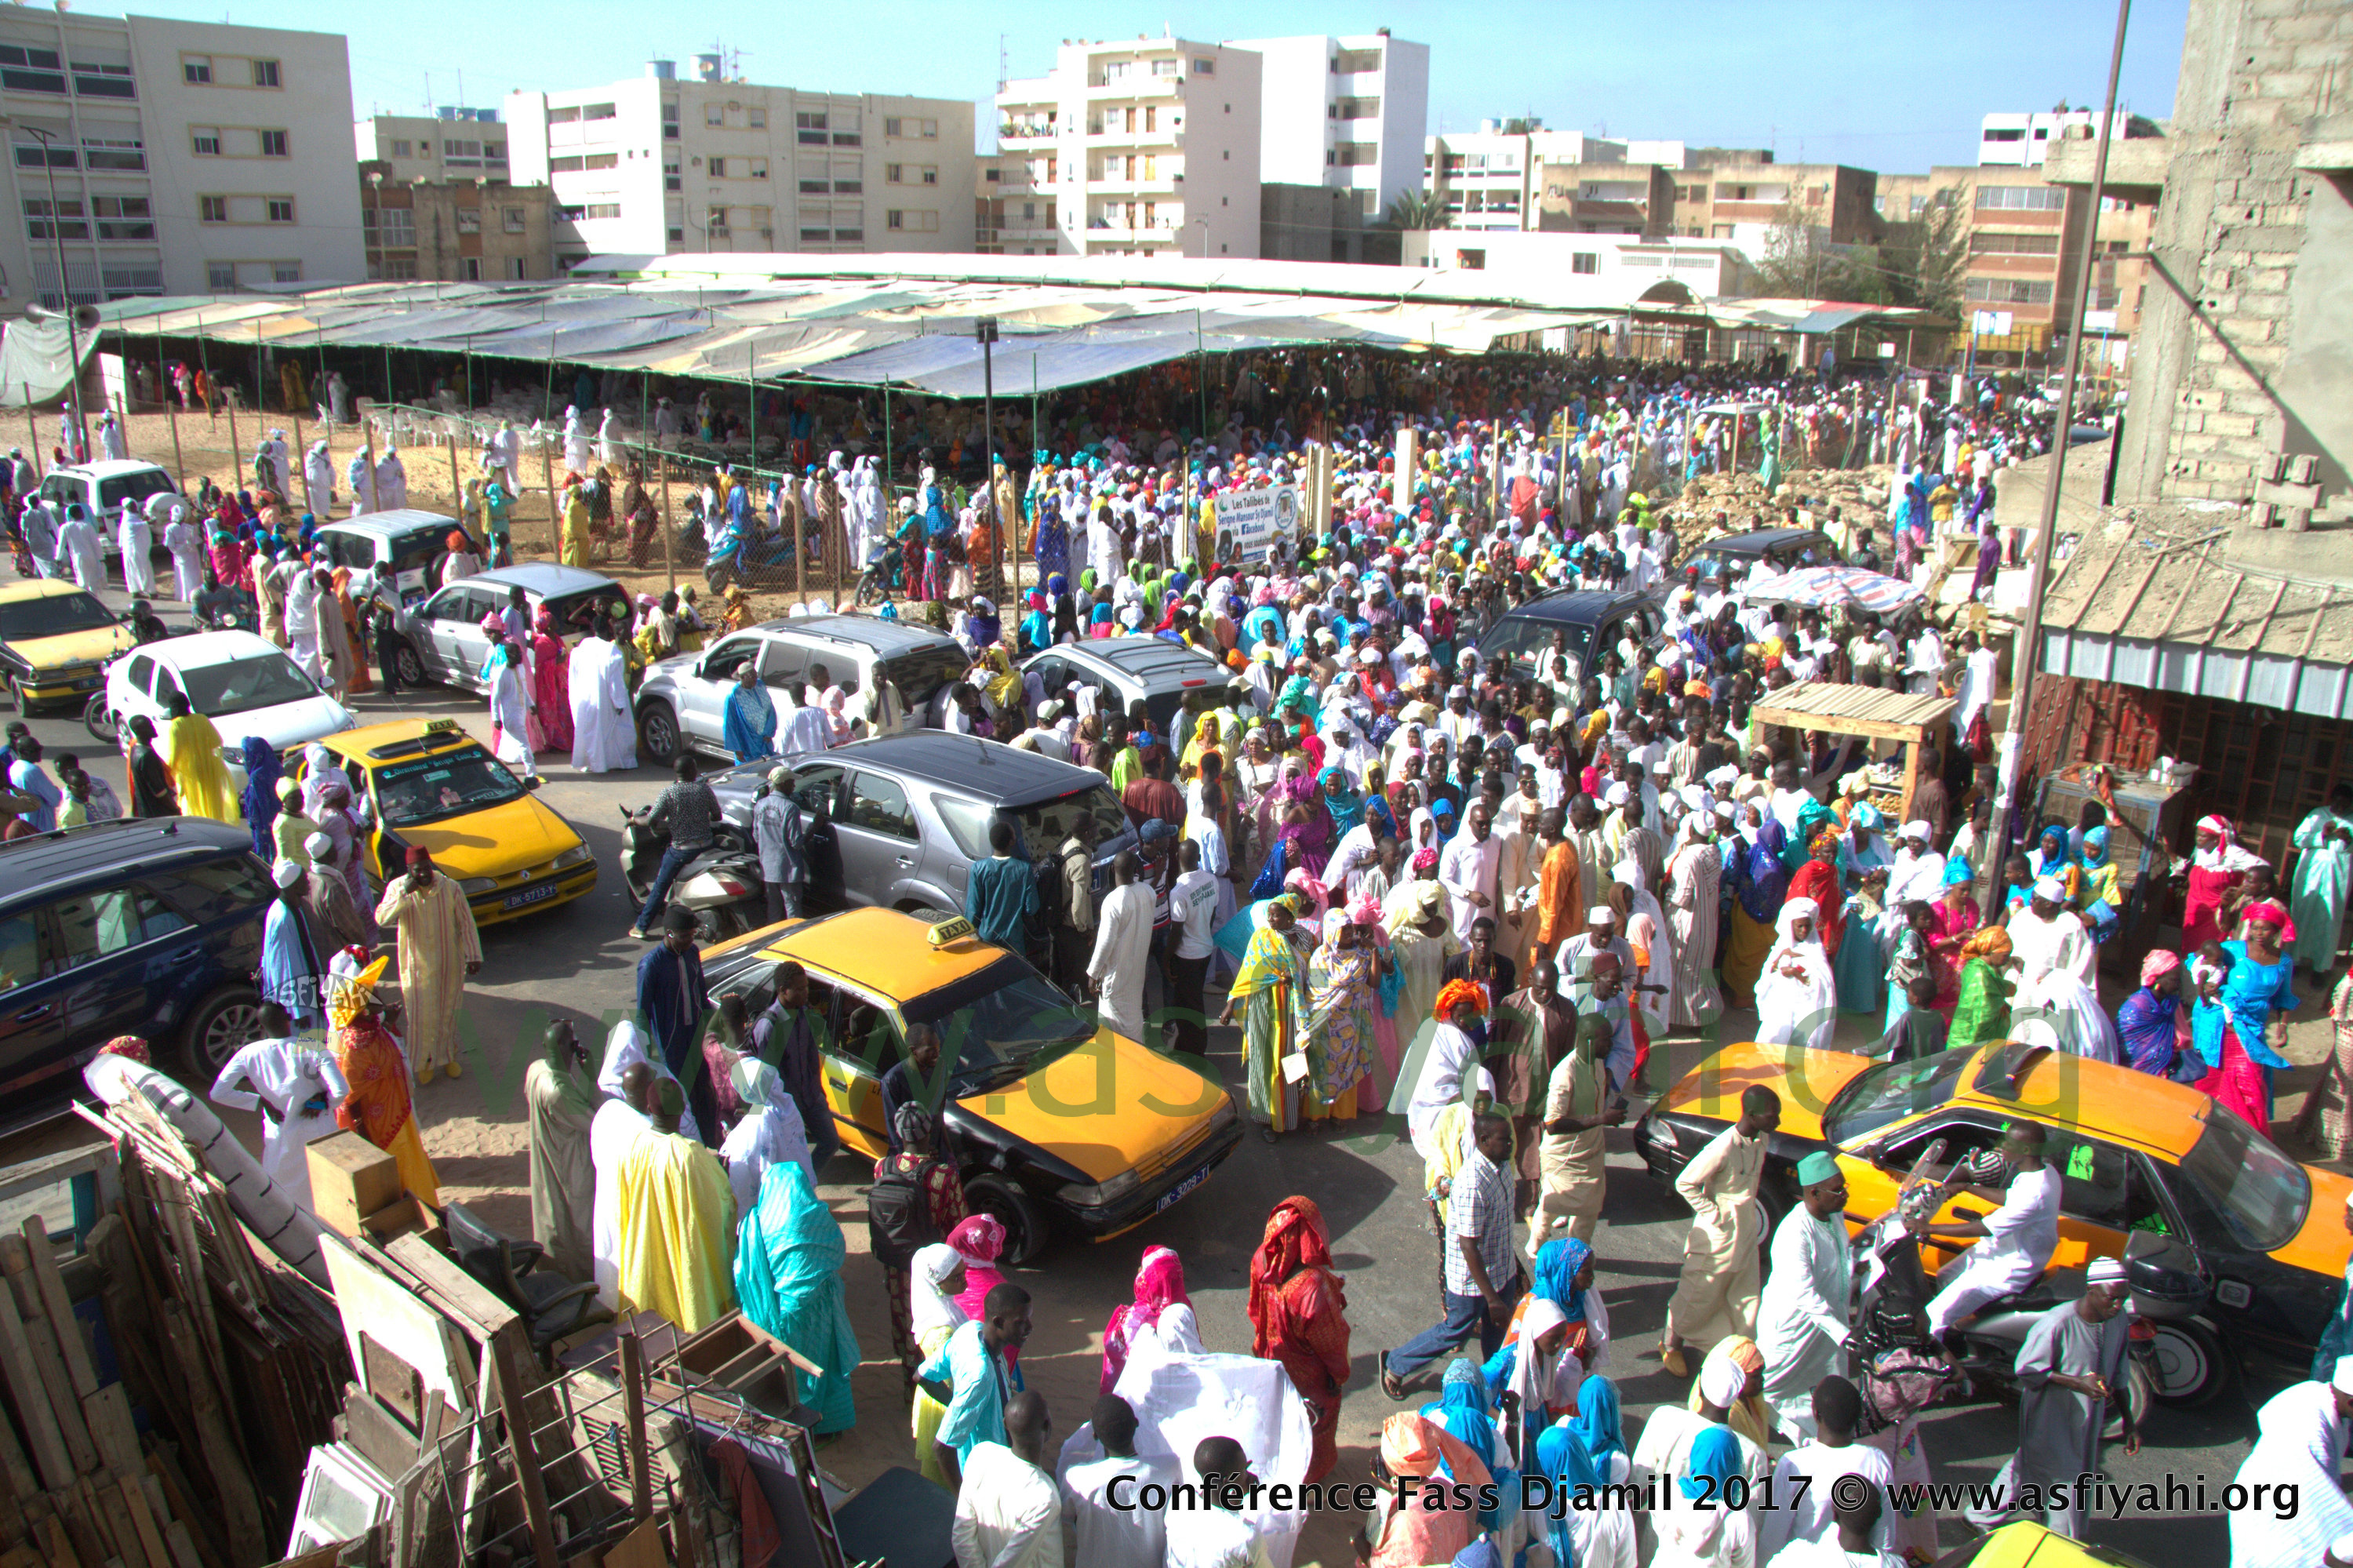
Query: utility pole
2038,561
983,331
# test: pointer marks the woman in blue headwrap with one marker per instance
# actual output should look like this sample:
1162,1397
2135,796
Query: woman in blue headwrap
1602,1428
1460,1408
1049,538
1341,798
1701,1525
1441,818
1590,1534
260,797
2098,892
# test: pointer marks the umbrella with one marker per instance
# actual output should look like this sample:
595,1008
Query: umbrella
1826,585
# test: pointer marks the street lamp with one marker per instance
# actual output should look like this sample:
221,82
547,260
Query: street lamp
984,332
80,441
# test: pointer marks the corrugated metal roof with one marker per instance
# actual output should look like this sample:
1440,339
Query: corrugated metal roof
2164,608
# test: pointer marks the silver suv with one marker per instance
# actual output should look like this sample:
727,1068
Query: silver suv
441,639
1176,683
682,700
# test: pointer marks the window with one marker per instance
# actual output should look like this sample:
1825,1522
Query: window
1349,62
273,145
563,166
1471,260
470,220
756,118
511,219
400,268
265,73
204,140
597,112
2015,133
850,236
457,149
92,926
879,805
123,218
399,226
1166,67
602,209
212,209
815,188
513,269
892,174
470,268
670,177
2022,198
848,139
1585,262
817,236
849,188
1204,66
42,76
1984,243
809,129
759,170
196,70
399,147
221,276
716,220
714,114
281,209
563,116
1357,109
911,222
68,224
1358,154
103,80
2006,291
1117,70
677,237
602,161
286,272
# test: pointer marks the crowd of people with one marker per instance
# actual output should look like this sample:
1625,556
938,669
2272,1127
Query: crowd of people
1466,898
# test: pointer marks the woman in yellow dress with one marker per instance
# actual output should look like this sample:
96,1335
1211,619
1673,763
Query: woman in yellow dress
192,750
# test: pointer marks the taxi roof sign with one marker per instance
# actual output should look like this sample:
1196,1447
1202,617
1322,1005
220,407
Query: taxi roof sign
947,931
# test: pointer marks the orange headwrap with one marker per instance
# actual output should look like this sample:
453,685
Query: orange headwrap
1455,993
1991,943
1415,1446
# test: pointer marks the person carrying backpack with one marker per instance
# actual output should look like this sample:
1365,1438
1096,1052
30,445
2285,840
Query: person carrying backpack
780,827
916,1199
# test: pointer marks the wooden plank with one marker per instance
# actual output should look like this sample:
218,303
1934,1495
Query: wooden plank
182,1541
50,1362
143,1525
57,1306
165,1472
482,1313
15,1469
633,1405
57,1544
507,1354
641,1548
108,1413
239,1509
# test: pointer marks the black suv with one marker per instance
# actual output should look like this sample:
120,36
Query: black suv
148,927
1587,625
1781,549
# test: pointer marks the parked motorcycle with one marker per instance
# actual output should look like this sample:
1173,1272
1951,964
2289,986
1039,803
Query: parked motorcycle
720,886
885,574
1893,1289
736,557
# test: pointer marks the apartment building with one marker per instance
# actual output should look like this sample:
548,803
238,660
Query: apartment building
1516,174
2023,140
170,157
1607,270
658,163
2022,235
1743,195
447,145
1630,198
1343,112
1148,148
456,230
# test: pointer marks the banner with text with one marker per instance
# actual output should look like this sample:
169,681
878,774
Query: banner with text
1252,522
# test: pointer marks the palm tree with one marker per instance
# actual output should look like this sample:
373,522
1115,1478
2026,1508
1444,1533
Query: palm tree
1416,209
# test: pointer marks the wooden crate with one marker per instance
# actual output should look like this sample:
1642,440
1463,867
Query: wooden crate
350,1180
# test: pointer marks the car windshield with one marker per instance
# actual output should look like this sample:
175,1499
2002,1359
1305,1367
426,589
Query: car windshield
434,787
242,685
1212,693
921,673
1000,1023
112,493
52,615
1045,825
1890,1091
1527,638
2260,1193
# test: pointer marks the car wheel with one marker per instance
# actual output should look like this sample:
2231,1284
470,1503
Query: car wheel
97,720
410,668
1026,1231
658,737
2191,1366
227,1020
15,696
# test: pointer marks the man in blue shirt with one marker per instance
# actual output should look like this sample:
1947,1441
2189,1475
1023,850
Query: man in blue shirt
973,1379
1000,893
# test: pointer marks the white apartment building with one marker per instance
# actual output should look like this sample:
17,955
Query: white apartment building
1487,179
2021,140
656,164
447,145
1602,270
1344,113
170,157
1148,148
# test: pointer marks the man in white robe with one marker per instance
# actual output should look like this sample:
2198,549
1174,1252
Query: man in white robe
1802,1506
133,537
182,538
360,474
1715,1293
1801,1321
1109,1535
604,737
78,544
2047,937
612,1132
302,618
1468,866
2018,1237
575,442
319,480
561,1103
771,1132
44,539
391,481
2073,1356
1007,1513
2300,1441
295,1084
1122,949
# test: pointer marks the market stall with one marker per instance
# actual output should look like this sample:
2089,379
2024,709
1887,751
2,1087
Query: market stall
1875,714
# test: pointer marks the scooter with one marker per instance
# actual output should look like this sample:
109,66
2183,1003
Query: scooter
1893,1289
736,557
885,574
721,887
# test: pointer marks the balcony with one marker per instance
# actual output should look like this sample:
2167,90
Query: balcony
1008,131
1158,88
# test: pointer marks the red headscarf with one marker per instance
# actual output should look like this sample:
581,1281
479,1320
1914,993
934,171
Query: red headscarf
1294,1240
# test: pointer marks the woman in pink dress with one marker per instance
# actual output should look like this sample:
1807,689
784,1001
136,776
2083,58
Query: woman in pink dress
2238,1000
2216,864
1952,917
1159,1285
551,681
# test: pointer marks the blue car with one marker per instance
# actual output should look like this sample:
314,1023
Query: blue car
148,927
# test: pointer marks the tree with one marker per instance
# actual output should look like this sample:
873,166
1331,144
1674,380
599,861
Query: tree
1416,209
1800,261
1922,260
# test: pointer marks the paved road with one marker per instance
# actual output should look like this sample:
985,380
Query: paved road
577,962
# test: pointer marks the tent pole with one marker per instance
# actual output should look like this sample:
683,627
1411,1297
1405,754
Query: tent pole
163,381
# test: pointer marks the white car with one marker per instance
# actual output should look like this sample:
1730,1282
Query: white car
103,487
243,683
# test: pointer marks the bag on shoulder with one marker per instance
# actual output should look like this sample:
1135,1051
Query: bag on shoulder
899,1215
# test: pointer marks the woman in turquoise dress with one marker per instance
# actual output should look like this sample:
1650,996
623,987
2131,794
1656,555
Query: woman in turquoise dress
788,1276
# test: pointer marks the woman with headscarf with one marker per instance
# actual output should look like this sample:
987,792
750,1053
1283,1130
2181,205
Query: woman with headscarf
1982,1013
1859,968
2217,865
1269,986
935,1317
1159,1286
1952,916
2149,1021
356,679
1742,1401
1600,1426
1696,1528
2051,856
374,1066
788,1256
2099,893
1298,1313
1816,878
1600,1536
1752,864
1302,823
551,676
259,798
1694,876
1461,1410
1342,996
2241,1017
980,1241
1410,1534
1341,800
1797,997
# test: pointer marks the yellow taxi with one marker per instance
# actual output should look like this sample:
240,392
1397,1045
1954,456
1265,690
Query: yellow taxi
2137,1155
430,784
1056,1120
55,640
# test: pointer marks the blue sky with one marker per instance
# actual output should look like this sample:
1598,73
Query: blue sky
1891,87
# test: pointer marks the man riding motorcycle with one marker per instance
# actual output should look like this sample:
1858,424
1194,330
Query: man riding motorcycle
2015,1241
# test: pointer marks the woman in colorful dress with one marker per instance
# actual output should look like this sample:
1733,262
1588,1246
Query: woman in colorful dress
1981,1014
2236,1010
1344,996
2217,863
1159,1285
369,1056
1268,987
1952,917
1298,1313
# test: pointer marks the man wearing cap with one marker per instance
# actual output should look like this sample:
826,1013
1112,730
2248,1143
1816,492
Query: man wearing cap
2019,1236
780,829
2074,1358
1468,867
2047,936
560,1099
293,959
1802,1321
1122,948
439,948
333,916
1043,738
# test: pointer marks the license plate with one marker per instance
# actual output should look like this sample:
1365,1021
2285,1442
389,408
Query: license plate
531,895
1179,1191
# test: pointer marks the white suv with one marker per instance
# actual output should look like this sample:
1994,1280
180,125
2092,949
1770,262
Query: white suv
101,488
